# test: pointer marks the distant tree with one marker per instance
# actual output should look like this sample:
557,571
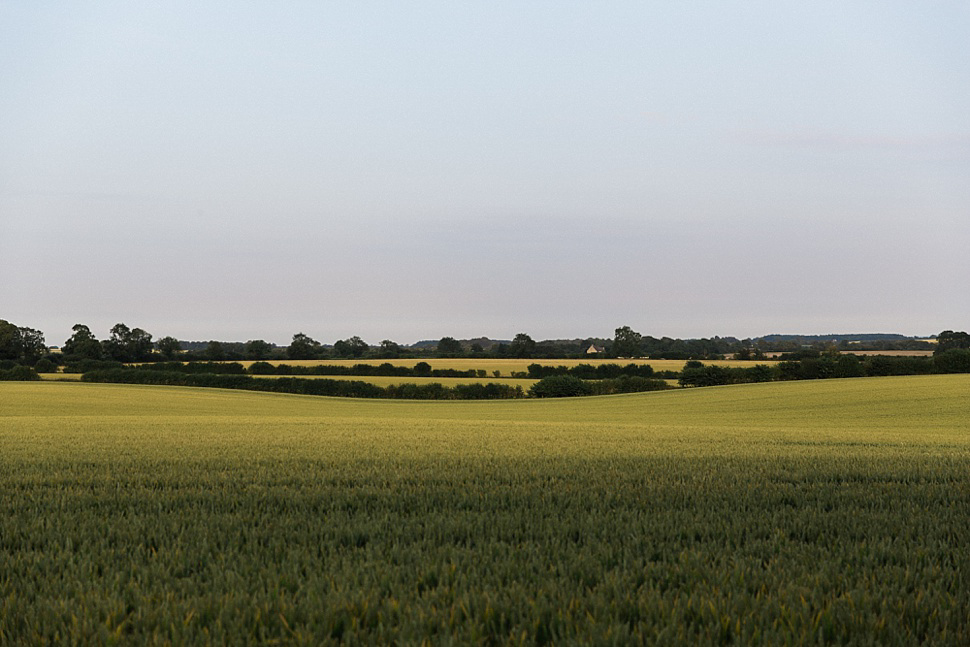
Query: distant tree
82,344
626,342
449,347
214,351
353,347
169,347
302,347
21,344
128,344
32,345
257,349
390,350
477,349
10,348
949,339
114,347
522,346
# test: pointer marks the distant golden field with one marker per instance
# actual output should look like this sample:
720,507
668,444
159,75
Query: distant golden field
381,380
508,366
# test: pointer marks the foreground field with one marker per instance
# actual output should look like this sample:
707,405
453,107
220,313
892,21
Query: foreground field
805,512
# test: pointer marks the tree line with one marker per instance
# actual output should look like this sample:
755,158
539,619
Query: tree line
819,367
24,345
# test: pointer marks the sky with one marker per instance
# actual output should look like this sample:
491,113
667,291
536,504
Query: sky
408,171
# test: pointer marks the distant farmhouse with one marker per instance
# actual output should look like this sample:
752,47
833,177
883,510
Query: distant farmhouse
595,350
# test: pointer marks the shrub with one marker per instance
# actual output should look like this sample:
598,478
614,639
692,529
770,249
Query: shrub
44,365
880,365
849,366
705,376
627,384
262,368
19,374
490,391
955,360
560,386
760,373
422,369
86,365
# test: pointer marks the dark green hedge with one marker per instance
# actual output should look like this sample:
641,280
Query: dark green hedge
561,386
19,374
820,368
303,386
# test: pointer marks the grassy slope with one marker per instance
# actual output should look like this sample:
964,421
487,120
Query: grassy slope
914,406
776,512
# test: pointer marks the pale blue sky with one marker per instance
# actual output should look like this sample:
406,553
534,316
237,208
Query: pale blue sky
249,170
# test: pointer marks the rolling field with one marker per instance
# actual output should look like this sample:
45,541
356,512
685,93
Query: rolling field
814,512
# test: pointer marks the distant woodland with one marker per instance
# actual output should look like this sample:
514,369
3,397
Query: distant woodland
27,346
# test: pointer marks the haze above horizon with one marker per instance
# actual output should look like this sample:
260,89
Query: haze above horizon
244,171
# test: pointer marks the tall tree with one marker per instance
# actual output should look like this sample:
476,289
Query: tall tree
522,346
169,347
449,347
353,347
390,350
32,344
21,344
214,351
82,344
258,349
10,347
128,344
303,347
949,339
626,342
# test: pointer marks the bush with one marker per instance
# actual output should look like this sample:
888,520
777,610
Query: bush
704,375
627,384
880,365
584,371
849,366
44,365
262,368
560,386
490,391
760,373
955,360
789,370
422,369
19,374
86,365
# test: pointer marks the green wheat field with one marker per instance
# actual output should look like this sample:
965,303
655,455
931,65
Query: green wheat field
799,513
